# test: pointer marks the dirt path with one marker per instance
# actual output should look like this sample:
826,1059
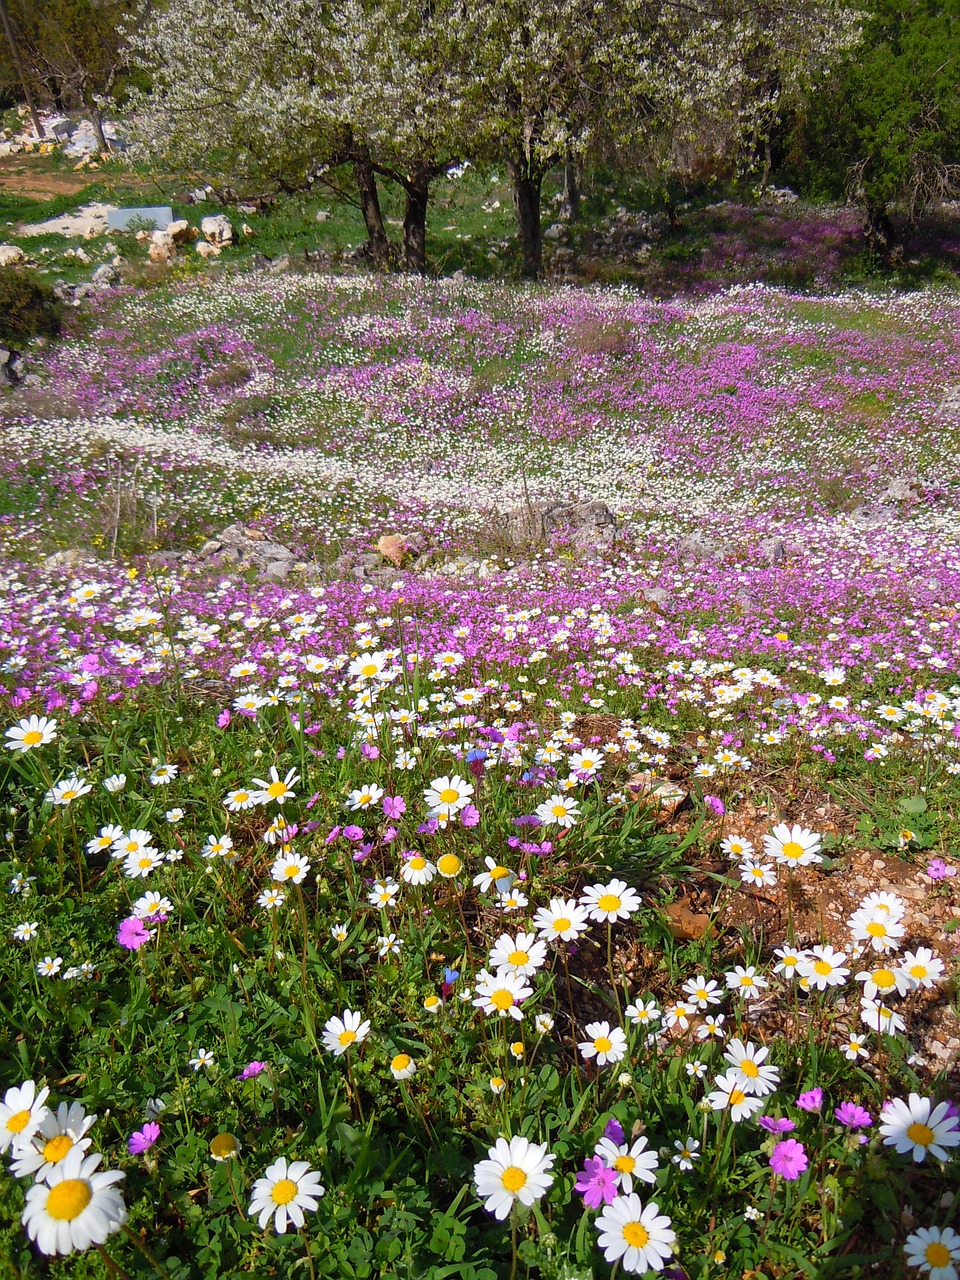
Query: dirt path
16,179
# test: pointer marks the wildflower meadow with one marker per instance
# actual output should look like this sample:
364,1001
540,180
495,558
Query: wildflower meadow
537,910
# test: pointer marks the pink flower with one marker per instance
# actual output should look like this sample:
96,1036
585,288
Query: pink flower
394,806
223,719
716,804
937,869
353,832
469,816
370,751
598,1183
776,1124
143,1139
251,1069
853,1116
812,1100
789,1159
132,933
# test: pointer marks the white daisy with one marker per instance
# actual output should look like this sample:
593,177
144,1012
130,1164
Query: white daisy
514,1170
76,1207
283,1193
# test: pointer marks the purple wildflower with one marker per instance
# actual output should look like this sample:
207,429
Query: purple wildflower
252,1069
469,816
812,1100
394,806
789,1159
143,1139
597,1182
853,1116
132,933
613,1130
776,1124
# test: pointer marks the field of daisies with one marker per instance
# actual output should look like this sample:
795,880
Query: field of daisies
554,911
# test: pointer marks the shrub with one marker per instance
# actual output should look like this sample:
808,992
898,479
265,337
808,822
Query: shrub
28,308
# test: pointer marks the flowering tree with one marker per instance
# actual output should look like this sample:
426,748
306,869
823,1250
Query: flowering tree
246,94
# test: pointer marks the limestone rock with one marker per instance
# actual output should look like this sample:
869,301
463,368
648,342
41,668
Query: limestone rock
208,251
590,525
11,255
217,229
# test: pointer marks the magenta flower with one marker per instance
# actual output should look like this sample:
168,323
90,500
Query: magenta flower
853,1116
252,1069
937,869
776,1124
613,1130
597,1182
394,806
812,1100
716,804
789,1159
223,719
132,933
469,815
143,1139
353,832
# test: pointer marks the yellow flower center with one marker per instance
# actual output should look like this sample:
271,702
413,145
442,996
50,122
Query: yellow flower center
502,999
561,925
224,1145
145,862
347,1037
498,873
242,797
513,1179
417,864
624,1164
518,958
401,1062
69,794
559,810
448,865
291,870
602,1044
936,1254
920,1133
68,1199
823,968
636,1234
284,1191
746,980
792,850
57,1148
275,790
608,902
883,978
750,1068
917,971
369,669
736,1097
31,738
18,1122
517,1048
449,795
876,929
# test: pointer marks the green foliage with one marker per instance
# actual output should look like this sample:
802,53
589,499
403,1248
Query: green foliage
28,308
885,123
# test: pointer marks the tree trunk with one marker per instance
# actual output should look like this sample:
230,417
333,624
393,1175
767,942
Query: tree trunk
570,205
526,204
881,236
417,190
370,208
